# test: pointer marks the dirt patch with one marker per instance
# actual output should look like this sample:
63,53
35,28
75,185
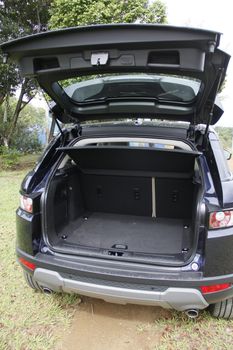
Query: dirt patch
102,326
99,325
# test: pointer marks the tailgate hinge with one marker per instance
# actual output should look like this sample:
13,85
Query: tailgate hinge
76,131
191,133
192,127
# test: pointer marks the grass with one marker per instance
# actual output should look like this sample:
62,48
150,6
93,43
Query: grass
176,332
28,319
27,160
23,161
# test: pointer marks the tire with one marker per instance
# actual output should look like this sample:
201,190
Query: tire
31,282
223,309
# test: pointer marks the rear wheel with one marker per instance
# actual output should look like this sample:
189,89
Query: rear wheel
31,282
223,309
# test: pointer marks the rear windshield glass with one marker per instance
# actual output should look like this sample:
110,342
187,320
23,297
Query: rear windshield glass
160,87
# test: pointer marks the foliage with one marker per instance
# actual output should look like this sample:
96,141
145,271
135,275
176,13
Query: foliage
225,136
22,17
9,157
31,123
69,13
19,18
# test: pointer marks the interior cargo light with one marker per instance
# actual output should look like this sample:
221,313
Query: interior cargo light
27,263
215,288
221,219
26,203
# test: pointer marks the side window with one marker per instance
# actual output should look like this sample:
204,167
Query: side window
222,163
225,135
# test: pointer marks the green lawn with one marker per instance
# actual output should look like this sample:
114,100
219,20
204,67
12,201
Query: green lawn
28,319
180,333
22,162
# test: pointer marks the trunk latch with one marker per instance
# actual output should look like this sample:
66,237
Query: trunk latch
118,249
99,58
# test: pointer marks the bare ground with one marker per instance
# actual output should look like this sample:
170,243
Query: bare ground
99,325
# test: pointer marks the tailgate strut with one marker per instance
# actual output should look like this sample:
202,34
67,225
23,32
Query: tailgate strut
52,127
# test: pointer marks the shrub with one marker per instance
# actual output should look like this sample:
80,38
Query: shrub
27,141
9,157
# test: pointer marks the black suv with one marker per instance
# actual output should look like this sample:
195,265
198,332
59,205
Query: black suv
132,202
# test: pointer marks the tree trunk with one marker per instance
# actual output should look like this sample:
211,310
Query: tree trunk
5,142
19,106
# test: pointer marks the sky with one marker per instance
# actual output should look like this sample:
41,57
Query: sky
213,15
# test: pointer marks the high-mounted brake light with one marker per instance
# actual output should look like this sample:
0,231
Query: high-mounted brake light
215,288
27,263
26,203
221,219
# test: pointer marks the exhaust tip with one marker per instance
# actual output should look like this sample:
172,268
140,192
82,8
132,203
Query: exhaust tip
192,313
47,290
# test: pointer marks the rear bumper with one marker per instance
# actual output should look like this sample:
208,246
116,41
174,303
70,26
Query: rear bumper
179,299
123,282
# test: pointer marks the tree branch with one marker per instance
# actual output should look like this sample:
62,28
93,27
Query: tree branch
17,111
25,103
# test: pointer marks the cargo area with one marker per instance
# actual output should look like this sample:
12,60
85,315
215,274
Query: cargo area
133,203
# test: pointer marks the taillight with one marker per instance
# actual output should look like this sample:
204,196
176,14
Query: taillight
28,264
26,203
221,219
215,288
